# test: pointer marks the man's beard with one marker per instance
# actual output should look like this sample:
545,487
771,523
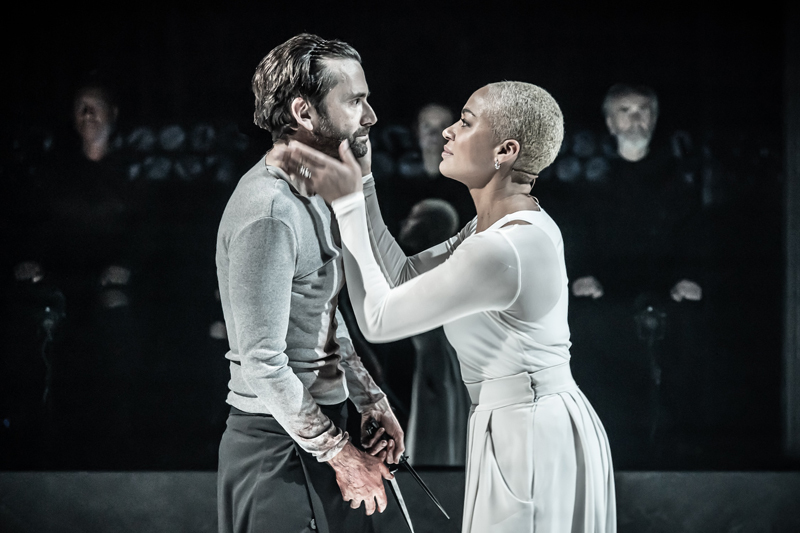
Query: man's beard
638,139
329,138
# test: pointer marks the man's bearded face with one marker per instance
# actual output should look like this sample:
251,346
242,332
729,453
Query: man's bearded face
632,120
329,137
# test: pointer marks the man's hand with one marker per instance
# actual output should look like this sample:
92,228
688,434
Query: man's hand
587,286
29,271
360,477
394,444
686,290
115,275
366,162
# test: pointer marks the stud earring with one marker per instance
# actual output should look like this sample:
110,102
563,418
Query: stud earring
496,164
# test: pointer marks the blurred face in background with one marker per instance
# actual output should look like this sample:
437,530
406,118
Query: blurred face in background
430,222
432,120
631,120
344,112
94,116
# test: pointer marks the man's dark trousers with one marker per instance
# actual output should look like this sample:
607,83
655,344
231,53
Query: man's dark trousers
267,483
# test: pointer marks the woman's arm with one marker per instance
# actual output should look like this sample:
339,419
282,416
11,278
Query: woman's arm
481,275
392,260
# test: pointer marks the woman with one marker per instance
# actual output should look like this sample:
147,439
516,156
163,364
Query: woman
538,456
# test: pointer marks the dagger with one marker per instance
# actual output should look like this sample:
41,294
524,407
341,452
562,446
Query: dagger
371,427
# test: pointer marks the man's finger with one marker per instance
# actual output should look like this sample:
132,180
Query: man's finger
399,449
369,505
385,473
369,443
382,501
355,504
382,455
377,448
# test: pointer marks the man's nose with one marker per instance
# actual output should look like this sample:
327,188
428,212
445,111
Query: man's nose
637,116
369,118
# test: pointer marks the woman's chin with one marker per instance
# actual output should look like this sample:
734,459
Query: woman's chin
445,170
449,174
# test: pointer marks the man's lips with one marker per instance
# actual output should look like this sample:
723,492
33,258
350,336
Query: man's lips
446,152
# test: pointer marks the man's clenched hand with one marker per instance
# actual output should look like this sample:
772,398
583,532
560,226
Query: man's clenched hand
360,477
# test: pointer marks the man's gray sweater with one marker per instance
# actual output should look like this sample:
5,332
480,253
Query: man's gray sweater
279,268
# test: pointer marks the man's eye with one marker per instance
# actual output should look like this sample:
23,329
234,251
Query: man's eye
464,122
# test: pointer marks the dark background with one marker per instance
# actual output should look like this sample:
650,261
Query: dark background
714,68
718,74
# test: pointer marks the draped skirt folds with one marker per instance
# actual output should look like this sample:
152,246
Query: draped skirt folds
538,458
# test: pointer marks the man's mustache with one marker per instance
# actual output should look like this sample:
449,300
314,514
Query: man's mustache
361,131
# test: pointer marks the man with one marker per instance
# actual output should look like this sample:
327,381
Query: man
292,364
637,281
630,115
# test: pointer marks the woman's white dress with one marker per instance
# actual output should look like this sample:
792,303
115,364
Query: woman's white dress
537,455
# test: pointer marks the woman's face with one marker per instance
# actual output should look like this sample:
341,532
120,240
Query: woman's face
469,153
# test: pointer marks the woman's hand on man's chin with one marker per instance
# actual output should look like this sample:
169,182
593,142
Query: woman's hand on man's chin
328,177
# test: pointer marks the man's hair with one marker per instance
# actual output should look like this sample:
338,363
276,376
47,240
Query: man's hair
295,68
99,83
619,90
531,116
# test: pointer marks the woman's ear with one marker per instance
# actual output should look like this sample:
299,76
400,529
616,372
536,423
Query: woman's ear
508,151
302,113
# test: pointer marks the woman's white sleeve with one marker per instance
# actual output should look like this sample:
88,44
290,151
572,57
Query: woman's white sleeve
482,274
392,260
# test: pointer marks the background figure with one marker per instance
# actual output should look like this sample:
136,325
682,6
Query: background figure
417,175
90,249
638,319
437,425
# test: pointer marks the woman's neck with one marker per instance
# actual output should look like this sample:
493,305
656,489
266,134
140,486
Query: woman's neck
493,203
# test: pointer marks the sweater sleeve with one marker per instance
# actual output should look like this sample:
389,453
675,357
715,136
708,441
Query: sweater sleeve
364,393
482,274
262,261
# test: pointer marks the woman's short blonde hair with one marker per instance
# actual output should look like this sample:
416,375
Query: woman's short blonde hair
529,115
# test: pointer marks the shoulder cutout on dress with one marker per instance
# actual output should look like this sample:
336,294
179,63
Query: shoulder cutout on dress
516,223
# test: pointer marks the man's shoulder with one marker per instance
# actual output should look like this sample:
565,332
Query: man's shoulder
265,193
260,194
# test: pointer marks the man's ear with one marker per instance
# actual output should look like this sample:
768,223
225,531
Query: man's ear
303,113
610,125
508,151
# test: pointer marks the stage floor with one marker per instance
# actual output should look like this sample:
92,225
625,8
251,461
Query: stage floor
176,502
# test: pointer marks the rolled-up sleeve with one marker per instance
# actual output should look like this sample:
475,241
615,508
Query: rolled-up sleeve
364,393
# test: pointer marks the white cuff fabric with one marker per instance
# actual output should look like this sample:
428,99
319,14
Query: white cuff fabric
347,202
